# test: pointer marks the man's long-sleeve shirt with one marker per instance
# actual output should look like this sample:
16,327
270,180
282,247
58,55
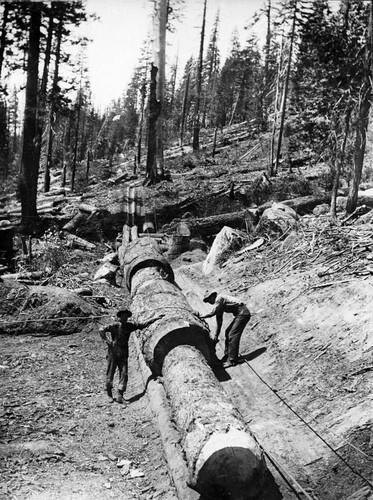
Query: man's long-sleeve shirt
119,335
224,303
120,332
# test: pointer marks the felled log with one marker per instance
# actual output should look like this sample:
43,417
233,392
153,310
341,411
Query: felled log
144,253
89,209
223,241
223,459
51,200
56,192
305,204
76,242
156,236
78,219
44,209
179,242
208,226
107,272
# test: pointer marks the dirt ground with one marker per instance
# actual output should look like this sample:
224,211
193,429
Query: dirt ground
305,379
304,386
60,436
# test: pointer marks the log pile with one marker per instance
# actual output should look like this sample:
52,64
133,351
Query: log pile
223,458
46,205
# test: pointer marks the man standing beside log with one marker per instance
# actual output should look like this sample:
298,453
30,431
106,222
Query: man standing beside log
117,335
228,304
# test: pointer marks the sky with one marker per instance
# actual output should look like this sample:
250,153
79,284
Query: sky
124,24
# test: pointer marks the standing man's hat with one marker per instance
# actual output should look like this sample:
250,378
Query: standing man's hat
124,311
208,295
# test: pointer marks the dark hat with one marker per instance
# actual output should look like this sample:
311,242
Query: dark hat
208,294
124,311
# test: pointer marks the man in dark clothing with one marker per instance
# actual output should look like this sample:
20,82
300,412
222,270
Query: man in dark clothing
116,335
228,304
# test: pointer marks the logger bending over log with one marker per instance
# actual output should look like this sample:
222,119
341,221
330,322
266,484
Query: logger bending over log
117,344
228,304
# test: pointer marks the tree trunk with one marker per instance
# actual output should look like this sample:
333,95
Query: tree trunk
159,58
3,35
44,79
76,142
286,89
154,110
141,123
241,89
173,84
272,165
28,180
4,134
52,106
184,110
223,458
338,166
362,121
265,99
63,159
197,124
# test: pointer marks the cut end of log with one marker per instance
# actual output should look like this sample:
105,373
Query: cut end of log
230,466
177,333
140,254
142,263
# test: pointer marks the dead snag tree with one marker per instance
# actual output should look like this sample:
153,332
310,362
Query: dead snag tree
197,118
155,160
222,456
286,89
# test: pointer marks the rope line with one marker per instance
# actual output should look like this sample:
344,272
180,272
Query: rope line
45,320
311,428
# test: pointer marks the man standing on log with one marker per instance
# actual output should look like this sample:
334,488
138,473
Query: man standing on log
117,343
228,304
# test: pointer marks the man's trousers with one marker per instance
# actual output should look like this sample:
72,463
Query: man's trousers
233,334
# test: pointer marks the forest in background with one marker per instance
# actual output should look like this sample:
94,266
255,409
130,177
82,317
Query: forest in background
308,90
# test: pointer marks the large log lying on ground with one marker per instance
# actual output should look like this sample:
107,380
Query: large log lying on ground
224,460
209,226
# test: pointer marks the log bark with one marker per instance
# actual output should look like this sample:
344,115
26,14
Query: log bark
223,459
75,222
56,192
169,435
77,242
143,253
90,209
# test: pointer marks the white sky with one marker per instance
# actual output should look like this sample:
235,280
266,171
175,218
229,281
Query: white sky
123,27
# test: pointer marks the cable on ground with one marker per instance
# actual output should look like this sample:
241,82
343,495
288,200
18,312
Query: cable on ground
311,428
